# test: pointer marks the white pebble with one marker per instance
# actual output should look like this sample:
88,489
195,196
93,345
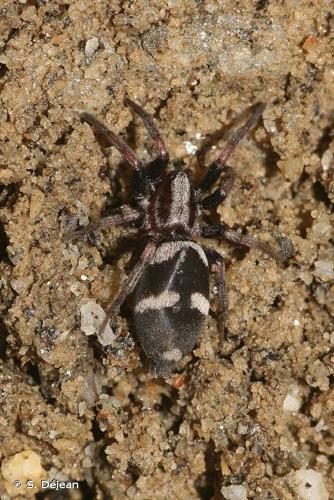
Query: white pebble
310,485
92,317
292,402
235,492
190,147
91,46
327,160
20,468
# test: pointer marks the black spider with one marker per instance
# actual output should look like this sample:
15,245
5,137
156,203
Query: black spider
170,281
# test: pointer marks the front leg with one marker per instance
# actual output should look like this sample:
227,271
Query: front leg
220,231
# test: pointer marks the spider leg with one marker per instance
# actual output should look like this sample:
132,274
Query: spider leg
220,231
216,198
130,156
210,178
151,127
239,135
112,140
128,215
129,284
222,297
219,165
220,278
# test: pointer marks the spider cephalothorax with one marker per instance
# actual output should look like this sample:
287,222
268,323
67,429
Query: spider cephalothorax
170,282
172,210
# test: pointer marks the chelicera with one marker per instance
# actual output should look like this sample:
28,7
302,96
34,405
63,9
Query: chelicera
170,281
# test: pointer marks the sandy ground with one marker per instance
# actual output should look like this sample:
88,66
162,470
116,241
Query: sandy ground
256,422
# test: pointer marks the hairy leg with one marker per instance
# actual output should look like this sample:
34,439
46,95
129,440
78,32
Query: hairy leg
126,216
285,245
218,166
220,231
130,156
239,135
220,278
151,127
226,344
112,140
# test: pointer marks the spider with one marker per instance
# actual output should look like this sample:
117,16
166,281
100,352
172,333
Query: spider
170,281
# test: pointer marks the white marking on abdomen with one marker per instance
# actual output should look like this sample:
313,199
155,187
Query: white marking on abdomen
167,251
198,301
165,299
172,355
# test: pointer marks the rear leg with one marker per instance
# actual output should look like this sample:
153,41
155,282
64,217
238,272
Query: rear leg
285,245
220,279
129,284
226,345
220,231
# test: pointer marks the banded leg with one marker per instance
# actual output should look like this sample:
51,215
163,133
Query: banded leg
151,127
130,283
127,216
285,246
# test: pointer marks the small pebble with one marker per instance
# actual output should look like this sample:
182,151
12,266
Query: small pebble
82,407
91,46
92,317
190,147
291,169
270,126
324,269
235,492
327,160
18,469
310,485
292,401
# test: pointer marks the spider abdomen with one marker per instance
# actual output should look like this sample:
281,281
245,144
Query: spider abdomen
171,302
